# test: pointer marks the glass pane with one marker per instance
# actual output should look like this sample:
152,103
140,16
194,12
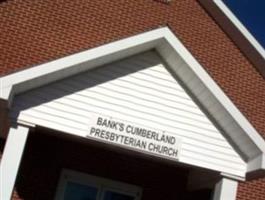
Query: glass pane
75,191
109,195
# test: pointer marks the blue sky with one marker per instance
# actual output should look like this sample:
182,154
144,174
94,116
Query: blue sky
252,14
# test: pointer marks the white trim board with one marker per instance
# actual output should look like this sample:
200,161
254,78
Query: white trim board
232,123
11,159
225,189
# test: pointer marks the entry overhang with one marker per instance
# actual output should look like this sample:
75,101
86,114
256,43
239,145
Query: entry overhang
208,95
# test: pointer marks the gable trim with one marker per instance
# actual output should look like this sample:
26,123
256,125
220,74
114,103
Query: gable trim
242,38
240,27
183,65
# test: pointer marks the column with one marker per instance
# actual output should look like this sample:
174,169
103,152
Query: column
11,158
225,189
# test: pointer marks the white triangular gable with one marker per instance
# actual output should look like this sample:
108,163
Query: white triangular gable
138,91
232,124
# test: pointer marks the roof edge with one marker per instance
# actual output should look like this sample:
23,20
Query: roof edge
240,27
237,32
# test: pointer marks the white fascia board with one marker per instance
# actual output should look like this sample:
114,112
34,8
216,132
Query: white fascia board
133,45
216,91
9,81
240,27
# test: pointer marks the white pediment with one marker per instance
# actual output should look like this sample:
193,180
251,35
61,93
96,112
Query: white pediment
225,120
139,91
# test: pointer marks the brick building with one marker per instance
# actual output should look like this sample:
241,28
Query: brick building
129,100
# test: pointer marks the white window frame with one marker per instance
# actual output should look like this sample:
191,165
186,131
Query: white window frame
102,184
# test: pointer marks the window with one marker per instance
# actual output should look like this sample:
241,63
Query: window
79,186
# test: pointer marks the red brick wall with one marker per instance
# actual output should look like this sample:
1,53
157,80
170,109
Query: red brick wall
252,190
45,156
34,32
